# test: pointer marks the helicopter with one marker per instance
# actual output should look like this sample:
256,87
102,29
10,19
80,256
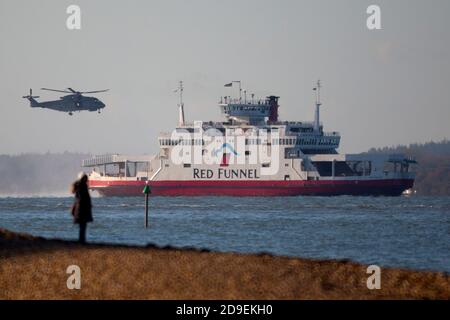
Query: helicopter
75,101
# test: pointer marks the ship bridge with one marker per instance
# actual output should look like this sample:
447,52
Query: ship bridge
252,112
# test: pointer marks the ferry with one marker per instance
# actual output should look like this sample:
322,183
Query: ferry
251,152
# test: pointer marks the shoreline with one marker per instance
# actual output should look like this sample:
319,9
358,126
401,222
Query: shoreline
35,268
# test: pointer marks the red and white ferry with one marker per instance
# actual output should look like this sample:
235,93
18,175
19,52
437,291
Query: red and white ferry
250,153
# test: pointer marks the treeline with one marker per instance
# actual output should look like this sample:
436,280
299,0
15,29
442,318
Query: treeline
39,174
433,168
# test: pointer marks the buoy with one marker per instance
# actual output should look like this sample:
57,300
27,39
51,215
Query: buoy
146,191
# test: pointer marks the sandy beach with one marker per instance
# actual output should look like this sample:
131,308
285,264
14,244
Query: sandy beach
35,268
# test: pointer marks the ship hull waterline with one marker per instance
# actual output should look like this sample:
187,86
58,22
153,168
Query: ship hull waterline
381,187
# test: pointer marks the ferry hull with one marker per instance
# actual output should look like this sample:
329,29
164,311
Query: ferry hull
386,187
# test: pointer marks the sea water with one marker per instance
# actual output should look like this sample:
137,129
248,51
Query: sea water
411,232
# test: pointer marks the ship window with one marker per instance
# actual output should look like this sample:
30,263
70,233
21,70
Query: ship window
287,177
343,168
324,168
247,152
186,165
166,165
266,165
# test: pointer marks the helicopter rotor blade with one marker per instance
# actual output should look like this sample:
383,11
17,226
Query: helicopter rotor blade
97,91
73,91
56,90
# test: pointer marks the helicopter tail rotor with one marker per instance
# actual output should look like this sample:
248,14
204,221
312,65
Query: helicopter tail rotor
30,96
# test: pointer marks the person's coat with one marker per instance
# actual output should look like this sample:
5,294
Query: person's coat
82,207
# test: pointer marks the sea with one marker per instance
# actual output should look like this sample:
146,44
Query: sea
410,232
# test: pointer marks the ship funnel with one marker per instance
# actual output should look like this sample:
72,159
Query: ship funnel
273,111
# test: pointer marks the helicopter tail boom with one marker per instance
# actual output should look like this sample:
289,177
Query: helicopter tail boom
33,102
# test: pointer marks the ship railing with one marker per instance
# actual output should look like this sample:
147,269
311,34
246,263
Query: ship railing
98,160
243,101
331,134
296,123
194,124
399,157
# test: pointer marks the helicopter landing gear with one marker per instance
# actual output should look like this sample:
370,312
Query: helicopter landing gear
70,113
98,111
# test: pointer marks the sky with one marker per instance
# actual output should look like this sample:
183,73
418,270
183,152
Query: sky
380,87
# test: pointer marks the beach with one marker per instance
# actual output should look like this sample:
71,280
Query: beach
35,268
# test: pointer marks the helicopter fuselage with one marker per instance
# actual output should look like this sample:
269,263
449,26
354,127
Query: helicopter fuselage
72,103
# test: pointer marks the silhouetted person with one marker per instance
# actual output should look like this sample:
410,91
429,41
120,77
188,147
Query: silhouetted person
82,207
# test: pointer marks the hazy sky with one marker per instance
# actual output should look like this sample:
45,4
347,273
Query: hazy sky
381,87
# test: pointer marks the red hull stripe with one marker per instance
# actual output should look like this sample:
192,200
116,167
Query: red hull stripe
253,188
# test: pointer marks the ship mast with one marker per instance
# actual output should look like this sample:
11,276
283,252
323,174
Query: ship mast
180,105
318,104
